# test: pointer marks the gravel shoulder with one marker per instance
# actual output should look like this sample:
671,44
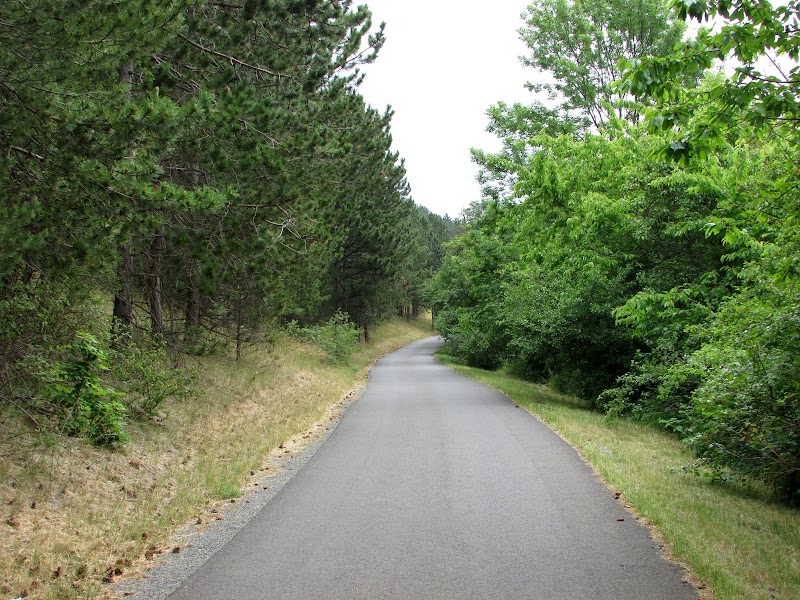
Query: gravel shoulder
195,543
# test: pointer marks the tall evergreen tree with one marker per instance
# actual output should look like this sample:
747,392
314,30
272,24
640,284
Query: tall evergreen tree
211,165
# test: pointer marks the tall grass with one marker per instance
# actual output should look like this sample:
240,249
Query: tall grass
739,544
72,515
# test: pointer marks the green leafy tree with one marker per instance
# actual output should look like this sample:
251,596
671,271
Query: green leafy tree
742,420
465,294
579,48
580,43
762,91
666,286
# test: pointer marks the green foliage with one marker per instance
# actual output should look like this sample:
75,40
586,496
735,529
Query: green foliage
338,336
370,273
589,230
144,375
87,408
650,267
739,370
465,292
757,95
581,43
209,165
747,409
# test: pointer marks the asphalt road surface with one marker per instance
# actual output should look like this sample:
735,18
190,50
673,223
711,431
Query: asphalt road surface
434,486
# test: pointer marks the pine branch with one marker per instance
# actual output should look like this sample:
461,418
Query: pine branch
228,57
27,152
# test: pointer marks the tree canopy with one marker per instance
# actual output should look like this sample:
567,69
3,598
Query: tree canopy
578,45
200,171
649,265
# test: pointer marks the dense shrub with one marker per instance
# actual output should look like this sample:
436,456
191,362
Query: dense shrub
143,372
746,411
338,336
87,408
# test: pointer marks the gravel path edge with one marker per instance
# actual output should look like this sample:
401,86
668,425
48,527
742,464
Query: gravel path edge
193,544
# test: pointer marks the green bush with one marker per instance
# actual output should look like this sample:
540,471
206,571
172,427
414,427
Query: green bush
746,412
338,337
473,336
143,373
87,408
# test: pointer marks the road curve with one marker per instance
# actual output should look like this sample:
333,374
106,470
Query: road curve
434,486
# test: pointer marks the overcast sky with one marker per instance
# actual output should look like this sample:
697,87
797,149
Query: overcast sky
444,63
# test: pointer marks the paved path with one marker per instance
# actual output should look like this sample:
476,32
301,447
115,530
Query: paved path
432,487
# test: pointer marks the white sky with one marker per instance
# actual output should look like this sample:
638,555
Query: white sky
444,63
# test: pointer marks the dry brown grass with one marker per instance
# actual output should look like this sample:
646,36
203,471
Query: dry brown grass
74,516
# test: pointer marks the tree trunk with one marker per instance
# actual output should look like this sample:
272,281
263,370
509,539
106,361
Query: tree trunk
122,315
193,303
238,329
340,303
126,72
154,283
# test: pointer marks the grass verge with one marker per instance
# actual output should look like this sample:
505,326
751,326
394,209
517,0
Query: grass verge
73,517
738,543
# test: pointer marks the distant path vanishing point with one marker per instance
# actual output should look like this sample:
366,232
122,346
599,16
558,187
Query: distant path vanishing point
434,486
